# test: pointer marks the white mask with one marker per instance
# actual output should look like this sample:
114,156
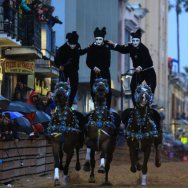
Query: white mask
135,42
99,41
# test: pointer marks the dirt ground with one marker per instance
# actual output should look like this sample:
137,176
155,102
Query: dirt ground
170,174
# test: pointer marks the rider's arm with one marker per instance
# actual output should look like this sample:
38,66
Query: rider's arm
122,48
82,51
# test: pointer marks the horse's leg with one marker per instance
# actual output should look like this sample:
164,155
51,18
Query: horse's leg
158,145
146,148
109,158
86,166
77,167
133,157
92,163
66,167
138,165
55,149
61,157
102,163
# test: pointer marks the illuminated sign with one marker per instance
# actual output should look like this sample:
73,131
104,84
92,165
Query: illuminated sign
19,67
1,74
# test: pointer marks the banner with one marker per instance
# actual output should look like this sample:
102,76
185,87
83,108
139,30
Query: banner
19,67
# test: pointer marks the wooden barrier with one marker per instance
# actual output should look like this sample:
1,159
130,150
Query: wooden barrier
24,158
28,157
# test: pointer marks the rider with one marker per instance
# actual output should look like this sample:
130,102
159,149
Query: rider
67,59
98,60
142,62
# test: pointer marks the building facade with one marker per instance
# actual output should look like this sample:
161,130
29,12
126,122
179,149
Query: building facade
27,45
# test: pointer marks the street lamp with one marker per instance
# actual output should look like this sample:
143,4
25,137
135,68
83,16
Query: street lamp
124,91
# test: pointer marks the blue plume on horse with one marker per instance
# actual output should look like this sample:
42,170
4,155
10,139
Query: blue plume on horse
62,92
100,83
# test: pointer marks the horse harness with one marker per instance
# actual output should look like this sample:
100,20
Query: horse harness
63,121
141,126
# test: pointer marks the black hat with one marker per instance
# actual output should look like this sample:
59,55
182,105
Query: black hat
72,37
100,33
137,34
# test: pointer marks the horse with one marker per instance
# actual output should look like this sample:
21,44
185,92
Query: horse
142,129
66,132
101,128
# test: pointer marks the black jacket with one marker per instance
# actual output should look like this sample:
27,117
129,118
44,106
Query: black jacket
99,56
69,58
140,56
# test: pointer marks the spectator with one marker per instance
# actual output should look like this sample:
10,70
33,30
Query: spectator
22,89
17,96
33,98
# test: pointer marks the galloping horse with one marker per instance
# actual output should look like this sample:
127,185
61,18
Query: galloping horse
65,130
142,129
101,128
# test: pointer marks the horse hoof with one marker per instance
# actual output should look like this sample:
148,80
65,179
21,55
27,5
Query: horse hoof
65,180
133,169
87,166
106,184
91,179
143,180
101,170
77,167
157,163
56,182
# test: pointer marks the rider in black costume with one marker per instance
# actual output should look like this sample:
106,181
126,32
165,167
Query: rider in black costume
142,62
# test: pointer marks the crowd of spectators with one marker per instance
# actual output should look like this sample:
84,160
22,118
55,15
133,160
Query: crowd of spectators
9,128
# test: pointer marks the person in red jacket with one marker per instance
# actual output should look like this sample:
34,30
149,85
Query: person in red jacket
33,98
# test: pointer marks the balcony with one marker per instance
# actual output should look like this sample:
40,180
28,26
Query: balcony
8,28
30,31
43,68
25,52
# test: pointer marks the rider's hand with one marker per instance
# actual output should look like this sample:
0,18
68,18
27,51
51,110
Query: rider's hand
61,68
97,70
138,69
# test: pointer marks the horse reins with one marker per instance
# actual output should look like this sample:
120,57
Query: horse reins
138,75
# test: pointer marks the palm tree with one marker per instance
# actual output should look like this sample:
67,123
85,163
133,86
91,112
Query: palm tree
179,5
186,70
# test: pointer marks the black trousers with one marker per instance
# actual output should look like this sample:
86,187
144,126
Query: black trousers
149,76
92,81
74,79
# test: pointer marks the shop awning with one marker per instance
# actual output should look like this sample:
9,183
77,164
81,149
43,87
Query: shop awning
20,51
45,71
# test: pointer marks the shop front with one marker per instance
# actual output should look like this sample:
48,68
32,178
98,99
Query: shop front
17,71
46,76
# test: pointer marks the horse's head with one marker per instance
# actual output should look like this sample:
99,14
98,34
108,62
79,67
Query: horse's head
62,93
143,95
100,88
